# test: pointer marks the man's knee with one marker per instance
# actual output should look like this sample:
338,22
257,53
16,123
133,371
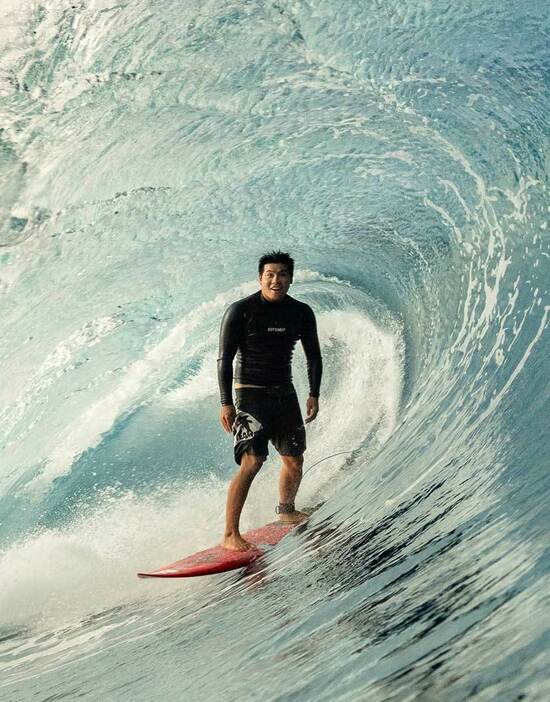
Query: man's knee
293,463
251,464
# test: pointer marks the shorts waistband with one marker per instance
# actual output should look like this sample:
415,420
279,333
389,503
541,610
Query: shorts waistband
269,390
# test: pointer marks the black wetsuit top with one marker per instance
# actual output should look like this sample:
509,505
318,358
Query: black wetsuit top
263,334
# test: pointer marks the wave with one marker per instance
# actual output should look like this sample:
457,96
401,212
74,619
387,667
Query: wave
399,153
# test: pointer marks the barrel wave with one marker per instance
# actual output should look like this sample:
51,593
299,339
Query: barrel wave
149,154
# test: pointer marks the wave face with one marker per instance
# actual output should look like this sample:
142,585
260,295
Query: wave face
150,153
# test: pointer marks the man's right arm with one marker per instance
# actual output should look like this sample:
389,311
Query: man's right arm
230,333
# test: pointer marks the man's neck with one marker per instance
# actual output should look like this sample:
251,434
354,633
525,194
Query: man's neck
272,302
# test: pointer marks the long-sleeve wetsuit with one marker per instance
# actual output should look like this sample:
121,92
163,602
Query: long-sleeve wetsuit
263,334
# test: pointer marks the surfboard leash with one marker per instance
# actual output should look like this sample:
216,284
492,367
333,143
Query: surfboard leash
340,453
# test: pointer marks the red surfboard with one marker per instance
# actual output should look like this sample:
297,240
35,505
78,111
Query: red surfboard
218,559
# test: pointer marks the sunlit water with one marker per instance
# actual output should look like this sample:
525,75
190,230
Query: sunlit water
149,154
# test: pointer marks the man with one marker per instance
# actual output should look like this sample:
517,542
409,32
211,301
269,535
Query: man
262,330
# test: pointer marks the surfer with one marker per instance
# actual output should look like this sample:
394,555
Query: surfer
262,330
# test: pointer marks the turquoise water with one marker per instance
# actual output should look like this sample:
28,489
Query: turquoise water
150,153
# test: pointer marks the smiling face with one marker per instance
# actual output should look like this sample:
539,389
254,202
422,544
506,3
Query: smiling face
274,281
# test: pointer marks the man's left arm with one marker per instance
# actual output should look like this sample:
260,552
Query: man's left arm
310,342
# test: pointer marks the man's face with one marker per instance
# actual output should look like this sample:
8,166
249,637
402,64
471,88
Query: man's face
274,281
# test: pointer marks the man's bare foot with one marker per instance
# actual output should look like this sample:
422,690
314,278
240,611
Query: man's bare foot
235,542
293,517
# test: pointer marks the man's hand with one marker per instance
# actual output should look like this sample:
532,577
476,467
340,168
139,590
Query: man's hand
312,406
227,417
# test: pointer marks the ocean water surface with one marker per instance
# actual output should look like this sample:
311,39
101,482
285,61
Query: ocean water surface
150,152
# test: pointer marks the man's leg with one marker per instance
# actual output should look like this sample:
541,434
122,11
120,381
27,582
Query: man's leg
289,482
236,496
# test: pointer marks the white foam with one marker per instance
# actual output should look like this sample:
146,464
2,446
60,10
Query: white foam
364,382
61,575
199,386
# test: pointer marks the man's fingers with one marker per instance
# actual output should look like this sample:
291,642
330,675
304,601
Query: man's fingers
227,422
311,416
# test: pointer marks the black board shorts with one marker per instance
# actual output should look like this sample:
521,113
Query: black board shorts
268,414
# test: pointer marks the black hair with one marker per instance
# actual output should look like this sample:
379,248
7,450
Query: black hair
277,257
